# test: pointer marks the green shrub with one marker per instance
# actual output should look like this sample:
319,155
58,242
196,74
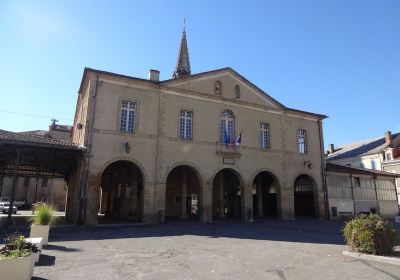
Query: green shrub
16,247
44,214
370,234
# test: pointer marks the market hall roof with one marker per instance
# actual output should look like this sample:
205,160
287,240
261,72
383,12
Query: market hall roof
39,156
355,170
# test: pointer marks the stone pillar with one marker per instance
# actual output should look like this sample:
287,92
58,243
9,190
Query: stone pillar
287,203
184,194
93,201
221,199
160,204
149,210
260,212
206,202
247,203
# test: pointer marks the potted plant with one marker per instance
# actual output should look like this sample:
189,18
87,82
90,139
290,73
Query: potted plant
44,217
17,258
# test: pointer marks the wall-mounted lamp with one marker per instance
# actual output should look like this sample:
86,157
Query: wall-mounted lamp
308,164
127,148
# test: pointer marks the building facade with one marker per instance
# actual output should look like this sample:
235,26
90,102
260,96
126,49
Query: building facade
208,145
355,190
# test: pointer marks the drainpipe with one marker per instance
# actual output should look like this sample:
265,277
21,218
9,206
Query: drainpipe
324,188
87,156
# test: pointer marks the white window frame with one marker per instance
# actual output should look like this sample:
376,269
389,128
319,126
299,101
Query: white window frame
302,141
264,136
128,115
186,124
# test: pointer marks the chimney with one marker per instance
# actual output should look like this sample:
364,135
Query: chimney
154,75
331,148
388,137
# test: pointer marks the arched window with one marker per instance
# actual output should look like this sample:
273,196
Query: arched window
218,88
227,125
237,91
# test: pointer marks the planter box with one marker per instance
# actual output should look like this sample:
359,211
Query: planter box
40,231
38,242
17,268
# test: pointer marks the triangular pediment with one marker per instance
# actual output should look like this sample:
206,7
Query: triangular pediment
206,83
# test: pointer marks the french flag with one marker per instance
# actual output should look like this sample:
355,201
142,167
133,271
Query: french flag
238,140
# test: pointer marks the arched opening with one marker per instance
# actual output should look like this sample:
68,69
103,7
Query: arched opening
304,196
265,195
121,191
227,194
182,193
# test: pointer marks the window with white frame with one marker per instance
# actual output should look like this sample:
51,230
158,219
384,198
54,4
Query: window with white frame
186,124
389,156
264,136
227,126
302,141
128,116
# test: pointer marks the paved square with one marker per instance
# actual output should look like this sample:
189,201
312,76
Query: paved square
268,249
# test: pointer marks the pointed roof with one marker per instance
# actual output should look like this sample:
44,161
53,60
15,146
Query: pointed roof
182,68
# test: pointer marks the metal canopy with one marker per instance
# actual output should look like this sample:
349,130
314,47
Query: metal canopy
40,157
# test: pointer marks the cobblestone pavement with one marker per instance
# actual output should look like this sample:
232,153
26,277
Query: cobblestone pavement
267,249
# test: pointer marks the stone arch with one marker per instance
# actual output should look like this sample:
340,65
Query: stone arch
266,190
228,193
183,186
271,171
121,188
115,159
193,166
305,195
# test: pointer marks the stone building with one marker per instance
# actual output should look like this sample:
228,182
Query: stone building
204,146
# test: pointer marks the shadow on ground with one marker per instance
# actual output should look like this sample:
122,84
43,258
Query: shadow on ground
60,248
300,230
46,260
305,231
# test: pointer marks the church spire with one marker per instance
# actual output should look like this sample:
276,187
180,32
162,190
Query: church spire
182,68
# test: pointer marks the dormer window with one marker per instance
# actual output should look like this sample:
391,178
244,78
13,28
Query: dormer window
218,88
237,92
389,156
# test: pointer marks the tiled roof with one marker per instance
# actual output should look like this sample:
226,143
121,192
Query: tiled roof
364,147
353,170
10,137
36,132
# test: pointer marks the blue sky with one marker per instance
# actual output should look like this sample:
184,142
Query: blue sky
340,58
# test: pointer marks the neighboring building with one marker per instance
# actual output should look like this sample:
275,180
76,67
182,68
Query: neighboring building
353,190
31,189
159,149
393,166
369,153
